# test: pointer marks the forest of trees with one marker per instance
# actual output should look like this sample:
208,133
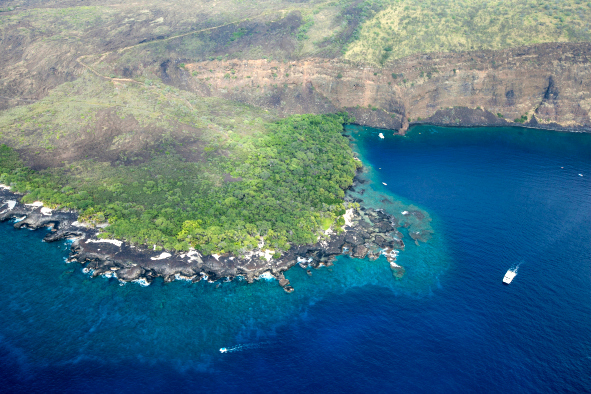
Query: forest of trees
287,185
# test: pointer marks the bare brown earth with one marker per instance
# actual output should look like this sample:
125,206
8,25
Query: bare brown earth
549,83
111,139
41,41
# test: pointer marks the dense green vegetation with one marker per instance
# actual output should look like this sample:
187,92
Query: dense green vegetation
404,27
286,185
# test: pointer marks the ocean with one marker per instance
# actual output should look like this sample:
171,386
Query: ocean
498,198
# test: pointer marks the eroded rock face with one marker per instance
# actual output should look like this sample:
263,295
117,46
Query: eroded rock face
549,83
368,233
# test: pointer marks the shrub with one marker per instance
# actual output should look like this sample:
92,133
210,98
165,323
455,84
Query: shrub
521,120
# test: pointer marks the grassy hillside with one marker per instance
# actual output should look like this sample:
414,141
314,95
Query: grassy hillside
406,27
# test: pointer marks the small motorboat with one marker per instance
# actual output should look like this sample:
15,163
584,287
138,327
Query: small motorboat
509,276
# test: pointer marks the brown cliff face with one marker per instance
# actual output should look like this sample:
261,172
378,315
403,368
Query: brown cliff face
548,84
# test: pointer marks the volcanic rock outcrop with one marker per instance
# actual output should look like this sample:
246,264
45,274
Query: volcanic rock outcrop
367,233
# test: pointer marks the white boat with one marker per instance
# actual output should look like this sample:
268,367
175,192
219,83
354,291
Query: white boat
381,135
384,183
223,350
509,276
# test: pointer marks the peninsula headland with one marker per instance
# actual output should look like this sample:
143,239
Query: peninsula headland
188,141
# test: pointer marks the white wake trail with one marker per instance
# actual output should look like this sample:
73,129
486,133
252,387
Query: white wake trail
245,346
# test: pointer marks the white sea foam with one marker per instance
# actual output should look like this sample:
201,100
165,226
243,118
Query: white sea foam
266,276
16,220
162,256
392,254
515,268
303,260
183,277
142,282
108,241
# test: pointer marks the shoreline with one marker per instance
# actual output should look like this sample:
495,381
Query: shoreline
465,118
367,233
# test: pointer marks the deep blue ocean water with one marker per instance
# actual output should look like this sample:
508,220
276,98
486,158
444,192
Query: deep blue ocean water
498,198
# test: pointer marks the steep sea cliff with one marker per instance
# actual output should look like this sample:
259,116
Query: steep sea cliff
540,86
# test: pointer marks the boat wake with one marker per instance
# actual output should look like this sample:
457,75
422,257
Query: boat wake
246,346
515,267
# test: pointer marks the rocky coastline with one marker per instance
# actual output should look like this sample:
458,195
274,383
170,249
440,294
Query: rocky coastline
366,233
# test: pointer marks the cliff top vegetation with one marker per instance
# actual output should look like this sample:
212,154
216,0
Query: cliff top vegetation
405,27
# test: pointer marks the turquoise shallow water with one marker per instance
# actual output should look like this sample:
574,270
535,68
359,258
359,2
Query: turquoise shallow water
497,197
